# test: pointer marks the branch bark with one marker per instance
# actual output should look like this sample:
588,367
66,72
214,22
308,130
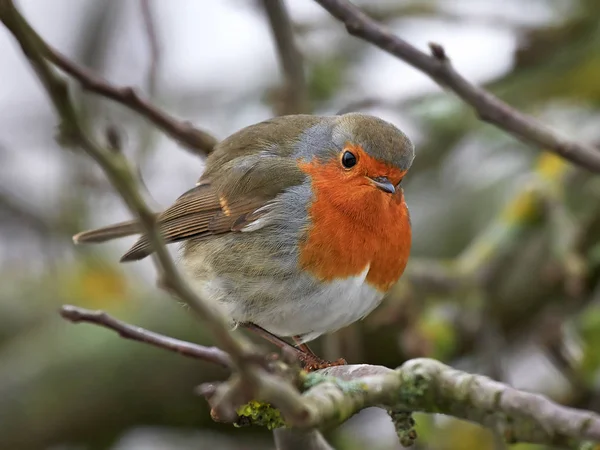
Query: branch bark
192,138
429,386
153,46
184,132
335,394
331,395
489,108
116,169
139,334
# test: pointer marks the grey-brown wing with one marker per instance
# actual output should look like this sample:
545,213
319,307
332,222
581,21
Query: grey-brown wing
197,213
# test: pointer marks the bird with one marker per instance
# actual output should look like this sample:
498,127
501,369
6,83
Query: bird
298,226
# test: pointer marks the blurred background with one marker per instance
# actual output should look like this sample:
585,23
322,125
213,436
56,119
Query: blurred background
504,278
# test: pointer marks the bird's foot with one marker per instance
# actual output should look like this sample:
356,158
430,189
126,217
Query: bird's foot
311,362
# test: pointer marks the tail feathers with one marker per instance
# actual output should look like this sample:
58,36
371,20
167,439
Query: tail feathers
108,233
140,250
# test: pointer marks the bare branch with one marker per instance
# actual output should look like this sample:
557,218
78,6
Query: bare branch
151,34
127,331
489,108
331,395
116,169
429,386
184,132
296,96
335,394
147,134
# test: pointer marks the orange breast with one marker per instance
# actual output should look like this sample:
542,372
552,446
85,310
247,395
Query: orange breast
354,226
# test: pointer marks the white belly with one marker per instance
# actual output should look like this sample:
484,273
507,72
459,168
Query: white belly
337,305
303,307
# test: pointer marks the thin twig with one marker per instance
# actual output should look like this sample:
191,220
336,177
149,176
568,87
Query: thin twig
290,58
116,169
429,386
210,354
200,142
419,385
147,133
335,394
153,45
489,108
182,131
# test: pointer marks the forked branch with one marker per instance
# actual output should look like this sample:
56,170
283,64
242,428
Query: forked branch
437,65
209,354
333,395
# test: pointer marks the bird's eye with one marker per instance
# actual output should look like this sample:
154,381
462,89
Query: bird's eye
348,159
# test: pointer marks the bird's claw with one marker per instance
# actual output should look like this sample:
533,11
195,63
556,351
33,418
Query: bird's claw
311,363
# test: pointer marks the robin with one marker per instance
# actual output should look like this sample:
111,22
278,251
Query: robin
298,226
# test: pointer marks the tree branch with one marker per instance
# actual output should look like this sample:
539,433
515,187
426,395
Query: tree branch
181,131
153,45
429,386
295,98
333,395
438,67
116,169
184,132
209,354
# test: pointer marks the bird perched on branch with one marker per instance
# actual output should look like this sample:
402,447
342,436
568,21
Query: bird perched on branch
298,226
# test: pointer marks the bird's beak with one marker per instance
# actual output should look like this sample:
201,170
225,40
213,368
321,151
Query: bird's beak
383,183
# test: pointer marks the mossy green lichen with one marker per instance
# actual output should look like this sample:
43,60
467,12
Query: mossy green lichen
259,413
264,414
413,389
405,427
